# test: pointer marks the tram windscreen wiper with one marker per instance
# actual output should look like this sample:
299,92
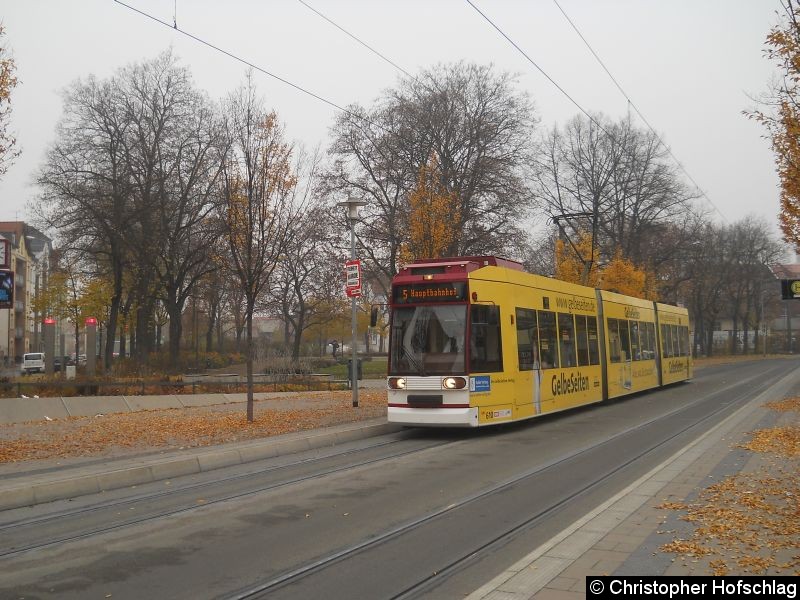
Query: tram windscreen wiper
417,363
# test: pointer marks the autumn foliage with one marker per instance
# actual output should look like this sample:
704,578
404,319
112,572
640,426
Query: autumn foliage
433,216
781,118
618,275
118,434
7,83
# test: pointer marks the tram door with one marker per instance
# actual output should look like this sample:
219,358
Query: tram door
620,371
627,363
529,380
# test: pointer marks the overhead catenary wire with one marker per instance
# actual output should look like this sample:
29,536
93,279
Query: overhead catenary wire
546,75
356,38
540,69
636,109
246,62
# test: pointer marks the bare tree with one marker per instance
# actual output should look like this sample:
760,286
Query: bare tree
257,188
729,271
175,160
131,181
309,281
86,185
617,182
479,129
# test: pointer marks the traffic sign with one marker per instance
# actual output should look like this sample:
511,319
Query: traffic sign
6,289
5,254
352,269
790,289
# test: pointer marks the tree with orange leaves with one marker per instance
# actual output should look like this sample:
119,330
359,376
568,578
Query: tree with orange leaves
434,215
622,276
7,83
572,262
781,117
618,275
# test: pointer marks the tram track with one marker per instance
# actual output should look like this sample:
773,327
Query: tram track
736,394
20,528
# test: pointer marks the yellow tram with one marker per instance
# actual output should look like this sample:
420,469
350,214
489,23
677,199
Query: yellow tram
477,341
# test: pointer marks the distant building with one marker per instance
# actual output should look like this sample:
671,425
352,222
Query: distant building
787,325
20,326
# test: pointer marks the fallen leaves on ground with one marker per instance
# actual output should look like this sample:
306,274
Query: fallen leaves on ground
749,523
784,441
785,405
176,428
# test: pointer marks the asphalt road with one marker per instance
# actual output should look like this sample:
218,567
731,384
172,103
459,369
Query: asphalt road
423,513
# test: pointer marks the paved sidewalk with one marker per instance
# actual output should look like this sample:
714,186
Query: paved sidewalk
622,536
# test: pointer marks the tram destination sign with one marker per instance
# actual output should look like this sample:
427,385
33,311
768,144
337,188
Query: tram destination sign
452,291
790,289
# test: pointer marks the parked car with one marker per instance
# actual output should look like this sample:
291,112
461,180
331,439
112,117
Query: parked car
32,362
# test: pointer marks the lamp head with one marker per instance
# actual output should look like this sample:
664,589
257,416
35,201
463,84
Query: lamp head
352,207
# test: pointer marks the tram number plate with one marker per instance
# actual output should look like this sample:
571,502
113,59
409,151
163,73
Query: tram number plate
489,415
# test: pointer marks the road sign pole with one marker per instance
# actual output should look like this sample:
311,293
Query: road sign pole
354,320
352,214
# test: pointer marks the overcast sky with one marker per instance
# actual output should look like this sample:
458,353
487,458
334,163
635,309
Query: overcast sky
690,67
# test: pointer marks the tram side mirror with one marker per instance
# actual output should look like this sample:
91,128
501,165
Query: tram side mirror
373,316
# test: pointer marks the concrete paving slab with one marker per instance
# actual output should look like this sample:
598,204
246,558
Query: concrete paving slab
65,488
16,497
124,477
19,410
86,406
219,459
153,402
236,398
201,399
174,468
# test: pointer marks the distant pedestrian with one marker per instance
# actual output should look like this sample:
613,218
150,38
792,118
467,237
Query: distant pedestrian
335,346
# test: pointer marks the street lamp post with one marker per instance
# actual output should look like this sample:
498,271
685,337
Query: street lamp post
352,214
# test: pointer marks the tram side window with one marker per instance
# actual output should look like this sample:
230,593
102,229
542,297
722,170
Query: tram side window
644,343
624,340
594,343
676,347
527,339
566,338
613,340
548,339
582,340
666,341
485,347
636,349
651,340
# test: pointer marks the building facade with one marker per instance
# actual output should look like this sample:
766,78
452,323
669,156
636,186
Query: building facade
20,326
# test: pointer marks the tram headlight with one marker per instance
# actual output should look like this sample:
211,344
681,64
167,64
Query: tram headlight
454,383
397,383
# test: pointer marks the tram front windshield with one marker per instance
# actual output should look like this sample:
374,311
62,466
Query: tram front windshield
428,340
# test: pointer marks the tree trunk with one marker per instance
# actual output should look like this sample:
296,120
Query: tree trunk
298,337
123,344
175,332
249,349
210,330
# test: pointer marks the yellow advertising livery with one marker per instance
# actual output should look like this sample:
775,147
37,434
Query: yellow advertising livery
477,341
